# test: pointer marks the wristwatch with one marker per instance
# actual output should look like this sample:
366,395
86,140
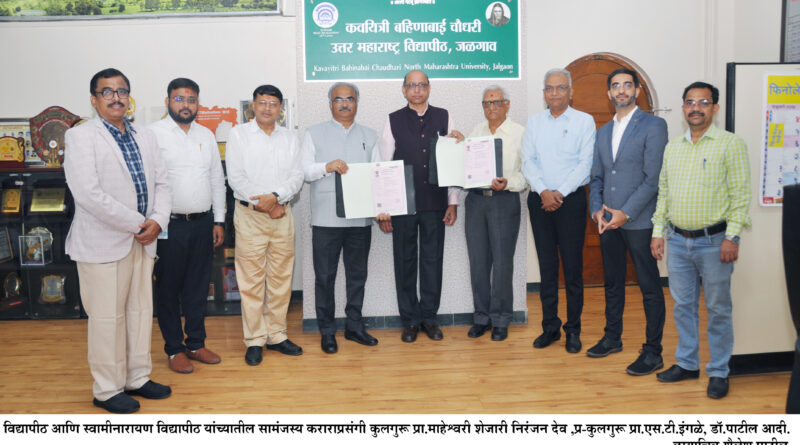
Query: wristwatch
221,224
732,238
278,198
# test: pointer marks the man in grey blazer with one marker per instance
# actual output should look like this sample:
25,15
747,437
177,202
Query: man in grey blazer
624,185
122,202
327,149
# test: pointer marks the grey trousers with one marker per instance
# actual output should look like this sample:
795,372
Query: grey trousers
492,226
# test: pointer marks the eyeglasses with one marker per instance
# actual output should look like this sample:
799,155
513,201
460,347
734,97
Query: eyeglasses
268,103
348,99
561,88
621,86
497,103
189,100
421,85
702,103
108,93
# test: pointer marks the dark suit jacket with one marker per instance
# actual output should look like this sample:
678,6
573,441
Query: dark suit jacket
629,182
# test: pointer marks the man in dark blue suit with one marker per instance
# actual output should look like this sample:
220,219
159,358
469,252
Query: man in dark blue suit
628,153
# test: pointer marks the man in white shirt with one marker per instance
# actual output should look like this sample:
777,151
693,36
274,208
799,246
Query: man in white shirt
418,240
183,270
263,161
492,222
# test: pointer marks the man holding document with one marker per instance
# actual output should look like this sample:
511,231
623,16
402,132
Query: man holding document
556,160
407,136
492,222
327,149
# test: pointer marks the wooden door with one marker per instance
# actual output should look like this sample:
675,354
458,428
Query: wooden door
589,74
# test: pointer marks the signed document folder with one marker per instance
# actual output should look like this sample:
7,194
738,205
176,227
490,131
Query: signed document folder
472,163
370,188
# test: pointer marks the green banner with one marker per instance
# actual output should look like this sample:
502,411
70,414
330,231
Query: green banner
384,39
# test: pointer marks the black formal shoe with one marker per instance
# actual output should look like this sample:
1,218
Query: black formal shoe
151,390
361,337
253,355
433,331
675,374
409,334
329,344
573,343
717,387
119,404
604,347
546,338
478,329
286,347
499,334
647,363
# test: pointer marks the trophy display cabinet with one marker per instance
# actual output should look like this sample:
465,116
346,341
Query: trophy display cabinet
38,278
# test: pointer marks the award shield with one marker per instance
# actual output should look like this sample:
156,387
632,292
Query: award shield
12,152
12,292
47,134
48,200
53,289
11,203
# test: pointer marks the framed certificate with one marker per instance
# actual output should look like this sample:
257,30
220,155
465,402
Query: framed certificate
11,203
6,252
48,200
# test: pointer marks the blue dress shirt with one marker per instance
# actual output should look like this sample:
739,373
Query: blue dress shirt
557,152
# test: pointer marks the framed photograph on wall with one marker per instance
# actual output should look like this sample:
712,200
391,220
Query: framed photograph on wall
790,31
21,10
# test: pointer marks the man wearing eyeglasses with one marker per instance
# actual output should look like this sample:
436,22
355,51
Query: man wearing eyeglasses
183,270
264,171
622,198
556,160
419,239
327,149
122,202
491,222
703,196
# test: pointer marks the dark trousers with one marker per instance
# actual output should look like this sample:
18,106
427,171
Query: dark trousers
418,236
561,231
614,243
326,244
491,228
791,264
183,273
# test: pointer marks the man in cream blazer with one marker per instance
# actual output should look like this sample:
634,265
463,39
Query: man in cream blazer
122,202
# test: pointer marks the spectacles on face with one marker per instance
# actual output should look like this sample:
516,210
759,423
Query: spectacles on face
621,86
191,100
560,88
108,93
269,103
421,85
702,103
340,100
497,103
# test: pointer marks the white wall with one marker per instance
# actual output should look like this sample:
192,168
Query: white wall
675,42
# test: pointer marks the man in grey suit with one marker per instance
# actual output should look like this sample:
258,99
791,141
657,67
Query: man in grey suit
628,152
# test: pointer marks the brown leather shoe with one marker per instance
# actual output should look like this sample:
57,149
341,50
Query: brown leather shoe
180,363
204,355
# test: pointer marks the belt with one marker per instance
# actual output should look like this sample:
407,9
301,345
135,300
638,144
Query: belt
253,206
489,192
189,216
707,231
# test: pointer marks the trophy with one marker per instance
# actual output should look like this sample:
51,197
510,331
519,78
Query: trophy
35,248
47,134
12,292
12,152
11,201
